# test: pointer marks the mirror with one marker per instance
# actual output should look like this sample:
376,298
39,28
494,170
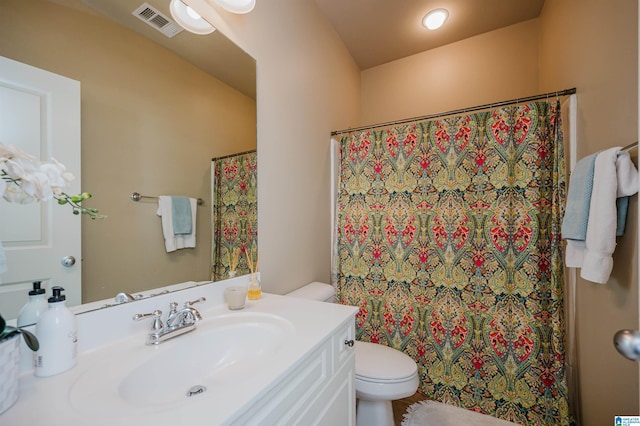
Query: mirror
152,118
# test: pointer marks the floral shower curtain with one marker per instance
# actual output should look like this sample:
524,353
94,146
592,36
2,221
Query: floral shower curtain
234,215
449,242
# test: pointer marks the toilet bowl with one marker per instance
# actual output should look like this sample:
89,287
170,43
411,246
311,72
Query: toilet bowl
383,374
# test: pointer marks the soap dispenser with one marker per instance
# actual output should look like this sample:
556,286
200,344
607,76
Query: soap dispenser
57,333
36,305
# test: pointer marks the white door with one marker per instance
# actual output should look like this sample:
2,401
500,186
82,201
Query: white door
39,113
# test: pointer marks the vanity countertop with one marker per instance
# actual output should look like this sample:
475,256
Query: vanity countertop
51,401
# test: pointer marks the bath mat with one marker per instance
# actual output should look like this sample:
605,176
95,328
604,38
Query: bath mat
433,413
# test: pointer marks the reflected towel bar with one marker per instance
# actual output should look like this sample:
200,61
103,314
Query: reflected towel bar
135,196
630,147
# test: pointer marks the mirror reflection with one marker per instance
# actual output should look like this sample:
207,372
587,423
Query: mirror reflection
235,215
151,120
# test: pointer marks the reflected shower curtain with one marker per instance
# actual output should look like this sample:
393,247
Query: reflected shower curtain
234,215
449,242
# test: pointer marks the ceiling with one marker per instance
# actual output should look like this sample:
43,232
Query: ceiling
374,31
381,31
229,64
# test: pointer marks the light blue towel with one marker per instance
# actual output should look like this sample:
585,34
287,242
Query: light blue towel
576,215
622,204
181,215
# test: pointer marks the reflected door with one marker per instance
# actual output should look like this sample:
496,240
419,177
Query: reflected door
40,113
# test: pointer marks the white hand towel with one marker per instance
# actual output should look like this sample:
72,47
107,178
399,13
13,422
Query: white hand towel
574,253
614,176
173,242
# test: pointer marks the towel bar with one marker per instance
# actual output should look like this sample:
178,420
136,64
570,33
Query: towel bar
135,196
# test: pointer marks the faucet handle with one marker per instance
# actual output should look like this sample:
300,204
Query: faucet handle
155,315
193,302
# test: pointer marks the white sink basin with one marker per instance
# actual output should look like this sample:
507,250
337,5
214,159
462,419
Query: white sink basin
222,351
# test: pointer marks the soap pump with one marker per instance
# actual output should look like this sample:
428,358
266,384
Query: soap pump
36,305
57,332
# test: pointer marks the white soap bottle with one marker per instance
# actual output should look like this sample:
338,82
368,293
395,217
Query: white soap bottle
29,315
36,305
57,333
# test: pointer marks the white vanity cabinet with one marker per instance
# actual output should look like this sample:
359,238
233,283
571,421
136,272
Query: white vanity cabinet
320,390
303,372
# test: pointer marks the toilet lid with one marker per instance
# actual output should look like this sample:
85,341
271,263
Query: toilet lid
379,362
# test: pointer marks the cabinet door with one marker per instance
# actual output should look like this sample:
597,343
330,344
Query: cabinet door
343,341
336,404
280,405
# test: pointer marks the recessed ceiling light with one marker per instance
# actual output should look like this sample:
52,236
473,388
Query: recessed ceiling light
237,6
189,19
434,19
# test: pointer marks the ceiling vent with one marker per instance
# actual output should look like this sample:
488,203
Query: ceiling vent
154,18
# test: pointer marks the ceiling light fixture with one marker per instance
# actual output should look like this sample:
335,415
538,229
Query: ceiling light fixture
434,19
237,6
189,19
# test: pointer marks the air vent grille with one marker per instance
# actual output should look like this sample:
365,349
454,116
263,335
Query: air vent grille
159,21
154,18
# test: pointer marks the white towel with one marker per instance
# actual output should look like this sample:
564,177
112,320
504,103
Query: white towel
173,242
614,176
574,253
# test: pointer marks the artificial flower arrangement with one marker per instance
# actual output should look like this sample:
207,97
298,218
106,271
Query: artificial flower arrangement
26,179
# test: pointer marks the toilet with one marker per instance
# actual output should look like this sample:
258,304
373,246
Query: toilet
383,374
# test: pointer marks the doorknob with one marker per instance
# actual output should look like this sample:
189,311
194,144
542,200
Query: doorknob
627,342
68,261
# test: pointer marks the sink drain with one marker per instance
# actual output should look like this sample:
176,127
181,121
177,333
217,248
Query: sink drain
196,390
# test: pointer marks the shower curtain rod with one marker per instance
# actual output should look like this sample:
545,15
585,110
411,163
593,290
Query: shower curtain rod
233,155
457,111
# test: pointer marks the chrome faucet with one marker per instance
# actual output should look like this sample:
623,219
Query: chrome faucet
126,297
178,321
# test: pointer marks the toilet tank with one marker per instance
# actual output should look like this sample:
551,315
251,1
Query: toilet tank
321,292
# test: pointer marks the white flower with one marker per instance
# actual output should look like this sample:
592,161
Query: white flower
10,151
25,173
24,178
14,194
57,175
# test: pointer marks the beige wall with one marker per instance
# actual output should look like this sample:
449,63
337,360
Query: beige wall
595,49
150,123
492,67
308,85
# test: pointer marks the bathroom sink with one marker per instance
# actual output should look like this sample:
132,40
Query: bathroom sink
223,351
